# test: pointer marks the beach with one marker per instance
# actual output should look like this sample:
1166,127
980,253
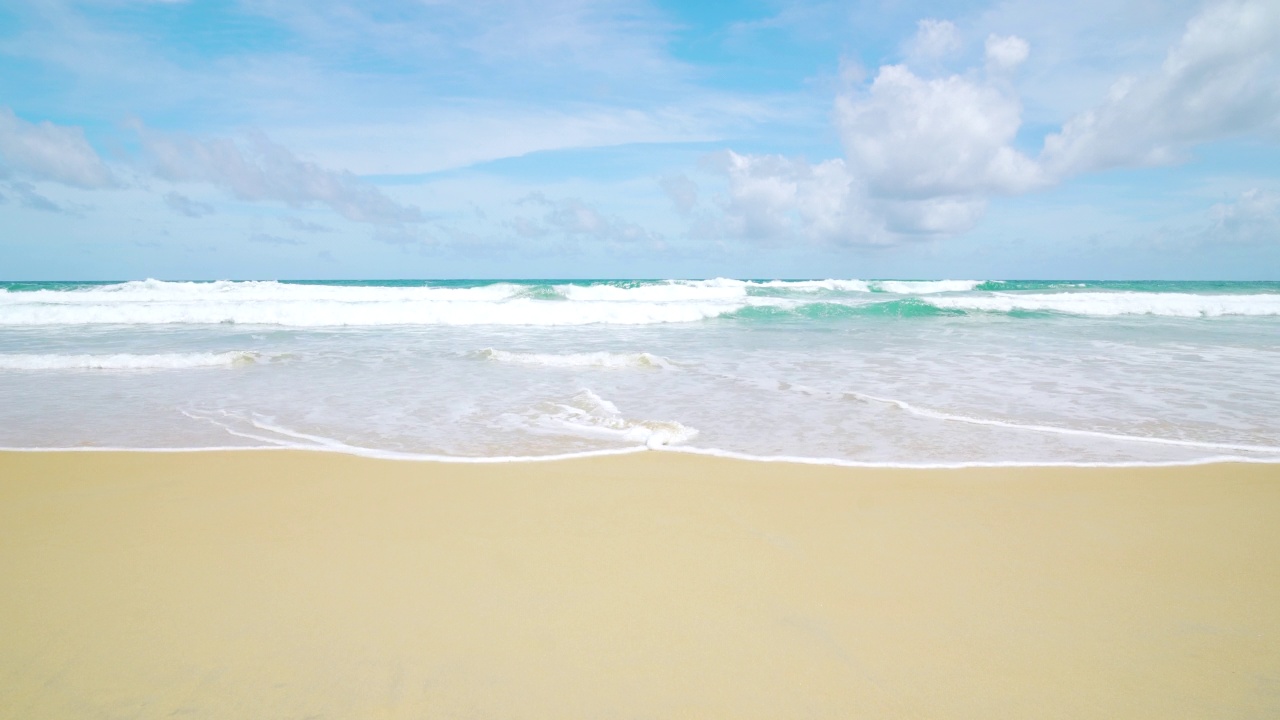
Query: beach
640,360
295,584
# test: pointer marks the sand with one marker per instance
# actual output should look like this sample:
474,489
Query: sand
310,585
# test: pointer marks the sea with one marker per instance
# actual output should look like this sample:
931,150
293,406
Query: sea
927,373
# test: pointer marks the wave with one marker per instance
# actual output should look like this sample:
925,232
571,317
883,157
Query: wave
345,314
905,308
589,415
926,287
897,287
804,286
579,360
279,437
667,292
155,302
124,361
255,291
1056,430
315,443
1108,304
924,412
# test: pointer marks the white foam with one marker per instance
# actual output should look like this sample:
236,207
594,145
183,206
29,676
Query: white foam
857,286
938,415
666,292
1119,303
589,415
153,302
126,361
878,465
833,285
278,437
333,446
765,384
577,360
925,287
152,291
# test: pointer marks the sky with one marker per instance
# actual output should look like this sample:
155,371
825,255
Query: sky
313,139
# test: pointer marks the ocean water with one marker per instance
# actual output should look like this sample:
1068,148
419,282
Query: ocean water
886,372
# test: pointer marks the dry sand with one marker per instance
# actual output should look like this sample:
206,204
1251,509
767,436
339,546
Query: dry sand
303,585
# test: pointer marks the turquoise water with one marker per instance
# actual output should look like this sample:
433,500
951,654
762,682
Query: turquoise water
865,371
546,285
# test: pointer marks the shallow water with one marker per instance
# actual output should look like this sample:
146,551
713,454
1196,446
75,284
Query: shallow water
884,372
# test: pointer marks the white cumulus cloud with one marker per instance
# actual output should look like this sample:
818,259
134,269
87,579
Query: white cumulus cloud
922,155
773,198
1006,52
909,136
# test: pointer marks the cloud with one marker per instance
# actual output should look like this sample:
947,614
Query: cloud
1005,53
773,198
1253,217
934,40
27,196
256,169
575,219
305,226
267,239
458,133
922,156
45,151
619,38
909,136
682,192
184,205
1217,81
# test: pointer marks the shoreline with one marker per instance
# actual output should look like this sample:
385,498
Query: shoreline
655,584
400,456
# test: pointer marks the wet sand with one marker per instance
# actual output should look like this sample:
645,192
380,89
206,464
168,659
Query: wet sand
299,585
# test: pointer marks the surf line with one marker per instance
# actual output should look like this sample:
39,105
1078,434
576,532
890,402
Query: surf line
936,415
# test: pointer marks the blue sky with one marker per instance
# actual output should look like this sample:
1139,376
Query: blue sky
629,138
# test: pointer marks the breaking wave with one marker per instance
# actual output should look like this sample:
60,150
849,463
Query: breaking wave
1185,305
563,303
579,360
124,361
154,302
588,415
926,287
904,308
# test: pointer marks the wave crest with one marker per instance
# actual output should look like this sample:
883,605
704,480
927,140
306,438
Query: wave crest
1119,303
125,361
578,360
587,414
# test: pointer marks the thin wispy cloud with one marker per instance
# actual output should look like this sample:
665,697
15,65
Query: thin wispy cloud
1218,81
184,205
256,169
44,151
